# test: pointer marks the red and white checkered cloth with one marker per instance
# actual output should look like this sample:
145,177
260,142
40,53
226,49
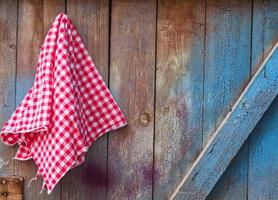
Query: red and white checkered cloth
66,110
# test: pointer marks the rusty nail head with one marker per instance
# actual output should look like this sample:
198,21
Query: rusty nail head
5,194
21,179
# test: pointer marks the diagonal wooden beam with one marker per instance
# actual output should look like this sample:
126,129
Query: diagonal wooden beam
232,132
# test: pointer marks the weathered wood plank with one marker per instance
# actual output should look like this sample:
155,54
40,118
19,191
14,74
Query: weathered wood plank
233,183
30,37
51,8
8,27
232,132
227,64
263,161
32,26
91,17
265,30
132,74
179,91
227,71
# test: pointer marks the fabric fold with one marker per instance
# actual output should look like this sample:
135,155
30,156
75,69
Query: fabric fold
67,109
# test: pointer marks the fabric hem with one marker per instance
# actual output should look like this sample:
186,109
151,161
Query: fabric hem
38,129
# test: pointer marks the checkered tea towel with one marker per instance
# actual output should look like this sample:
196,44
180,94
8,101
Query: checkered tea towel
66,110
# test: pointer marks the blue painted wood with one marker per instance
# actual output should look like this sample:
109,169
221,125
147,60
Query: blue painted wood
227,71
265,30
263,177
233,184
263,159
232,132
179,91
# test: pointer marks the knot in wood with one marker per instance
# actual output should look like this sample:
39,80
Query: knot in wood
4,181
12,46
145,118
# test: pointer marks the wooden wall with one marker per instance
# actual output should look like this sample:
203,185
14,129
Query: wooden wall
175,68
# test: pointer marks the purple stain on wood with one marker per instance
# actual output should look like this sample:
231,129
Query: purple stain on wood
147,172
150,174
181,113
94,174
182,117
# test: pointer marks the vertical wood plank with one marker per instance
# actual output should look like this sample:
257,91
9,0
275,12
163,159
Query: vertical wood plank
179,91
8,42
91,17
30,37
51,8
132,74
265,30
34,20
263,161
227,71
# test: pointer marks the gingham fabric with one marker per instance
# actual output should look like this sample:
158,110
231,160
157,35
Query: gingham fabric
66,110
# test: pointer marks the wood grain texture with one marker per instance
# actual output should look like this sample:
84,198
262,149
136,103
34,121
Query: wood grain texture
263,161
30,37
32,26
132,75
232,132
11,188
51,8
202,63
227,70
179,91
91,17
265,30
227,64
233,183
8,27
